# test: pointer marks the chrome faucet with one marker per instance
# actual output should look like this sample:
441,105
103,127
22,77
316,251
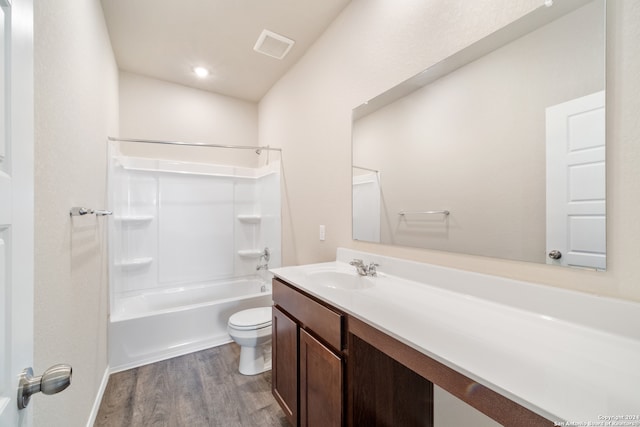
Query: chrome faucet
364,270
360,267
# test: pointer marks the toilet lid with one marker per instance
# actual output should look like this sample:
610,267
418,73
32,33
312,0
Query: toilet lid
253,318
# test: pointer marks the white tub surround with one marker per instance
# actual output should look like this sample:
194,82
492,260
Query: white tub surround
564,355
176,223
185,241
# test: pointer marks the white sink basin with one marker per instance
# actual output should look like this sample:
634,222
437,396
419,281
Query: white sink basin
336,279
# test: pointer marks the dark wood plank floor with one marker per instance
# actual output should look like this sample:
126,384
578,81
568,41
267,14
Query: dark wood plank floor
198,389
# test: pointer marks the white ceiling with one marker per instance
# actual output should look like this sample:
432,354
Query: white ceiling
165,39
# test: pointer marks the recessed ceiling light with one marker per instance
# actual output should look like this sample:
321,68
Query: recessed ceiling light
201,72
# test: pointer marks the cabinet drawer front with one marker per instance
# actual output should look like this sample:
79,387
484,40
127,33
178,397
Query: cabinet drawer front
324,322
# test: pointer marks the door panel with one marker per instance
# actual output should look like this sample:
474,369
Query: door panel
366,207
285,364
576,182
16,205
320,384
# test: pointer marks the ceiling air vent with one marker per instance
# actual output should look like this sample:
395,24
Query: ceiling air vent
272,44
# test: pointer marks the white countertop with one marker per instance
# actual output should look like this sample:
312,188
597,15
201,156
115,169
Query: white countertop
565,355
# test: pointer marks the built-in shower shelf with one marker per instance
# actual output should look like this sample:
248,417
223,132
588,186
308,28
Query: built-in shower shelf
135,263
250,219
134,219
250,253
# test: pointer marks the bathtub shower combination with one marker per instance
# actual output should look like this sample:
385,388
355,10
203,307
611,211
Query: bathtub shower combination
186,240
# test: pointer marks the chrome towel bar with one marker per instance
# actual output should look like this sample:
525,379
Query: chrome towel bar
79,211
443,212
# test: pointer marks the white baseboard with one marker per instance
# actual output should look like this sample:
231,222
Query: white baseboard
96,404
161,355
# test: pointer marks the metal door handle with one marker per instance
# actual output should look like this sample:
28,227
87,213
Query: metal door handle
54,380
78,211
555,254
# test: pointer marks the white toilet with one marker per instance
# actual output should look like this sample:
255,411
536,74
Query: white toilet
251,329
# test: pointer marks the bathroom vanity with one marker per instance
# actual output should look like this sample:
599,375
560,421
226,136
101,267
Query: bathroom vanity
315,351
357,350
316,347
308,369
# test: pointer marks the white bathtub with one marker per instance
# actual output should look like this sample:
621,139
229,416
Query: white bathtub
154,326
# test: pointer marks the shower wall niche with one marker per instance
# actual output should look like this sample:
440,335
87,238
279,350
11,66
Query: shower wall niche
178,224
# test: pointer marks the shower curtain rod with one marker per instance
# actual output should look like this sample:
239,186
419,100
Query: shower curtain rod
366,169
258,149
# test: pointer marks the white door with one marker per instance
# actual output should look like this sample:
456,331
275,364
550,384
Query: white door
576,221
16,204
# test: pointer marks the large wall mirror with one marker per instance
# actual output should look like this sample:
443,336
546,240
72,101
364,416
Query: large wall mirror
496,151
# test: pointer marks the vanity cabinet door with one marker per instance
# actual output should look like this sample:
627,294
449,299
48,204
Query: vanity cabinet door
284,379
321,384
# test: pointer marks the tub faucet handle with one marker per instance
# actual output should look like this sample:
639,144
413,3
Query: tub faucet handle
266,254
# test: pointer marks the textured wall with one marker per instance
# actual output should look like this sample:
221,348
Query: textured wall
76,108
375,44
154,109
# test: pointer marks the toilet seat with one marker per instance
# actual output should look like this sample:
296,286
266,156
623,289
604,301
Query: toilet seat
251,319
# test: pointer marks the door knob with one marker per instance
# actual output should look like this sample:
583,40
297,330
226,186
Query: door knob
555,254
54,380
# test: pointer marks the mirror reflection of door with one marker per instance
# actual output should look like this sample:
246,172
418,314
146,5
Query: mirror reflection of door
366,207
576,226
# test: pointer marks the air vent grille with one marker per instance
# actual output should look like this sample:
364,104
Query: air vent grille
273,45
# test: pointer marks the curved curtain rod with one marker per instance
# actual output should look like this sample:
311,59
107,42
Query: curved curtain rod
258,149
366,169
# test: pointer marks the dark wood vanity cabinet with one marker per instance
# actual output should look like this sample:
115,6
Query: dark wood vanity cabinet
383,392
321,384
330,369
308,359
284,378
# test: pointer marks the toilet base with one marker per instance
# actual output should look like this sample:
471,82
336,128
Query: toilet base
255,360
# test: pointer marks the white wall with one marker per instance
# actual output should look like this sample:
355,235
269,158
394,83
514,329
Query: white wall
158,110
75,109
375,44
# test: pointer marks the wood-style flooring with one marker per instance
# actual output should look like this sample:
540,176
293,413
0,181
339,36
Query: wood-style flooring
198,389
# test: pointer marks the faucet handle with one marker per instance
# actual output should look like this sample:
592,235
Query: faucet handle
371,269
356,262
266,254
